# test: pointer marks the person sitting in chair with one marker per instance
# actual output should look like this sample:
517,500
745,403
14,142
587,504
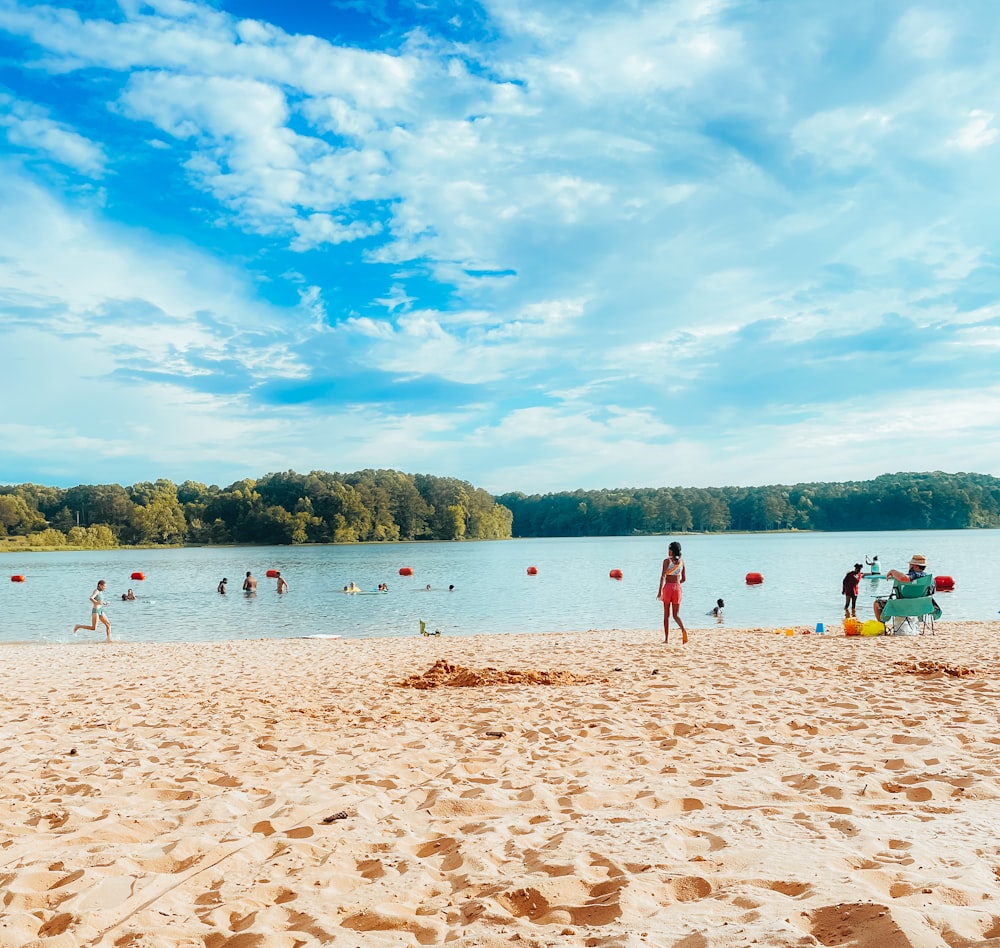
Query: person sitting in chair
917,570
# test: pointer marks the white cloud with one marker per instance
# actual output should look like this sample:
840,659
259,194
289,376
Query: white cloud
924,33
132,300
843,138
465,346
977,132
641,51
28,126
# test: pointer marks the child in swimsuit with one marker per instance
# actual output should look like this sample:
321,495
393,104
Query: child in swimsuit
671,576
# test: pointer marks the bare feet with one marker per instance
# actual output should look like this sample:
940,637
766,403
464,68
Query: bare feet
684,639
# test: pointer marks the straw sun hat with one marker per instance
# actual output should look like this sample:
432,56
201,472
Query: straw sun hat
918,560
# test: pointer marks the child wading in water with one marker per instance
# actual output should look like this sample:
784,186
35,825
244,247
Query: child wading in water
850,590
669,592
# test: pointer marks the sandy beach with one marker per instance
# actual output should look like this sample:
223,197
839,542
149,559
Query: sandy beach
596,788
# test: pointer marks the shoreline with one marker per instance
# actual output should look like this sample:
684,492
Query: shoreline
292,792
653,634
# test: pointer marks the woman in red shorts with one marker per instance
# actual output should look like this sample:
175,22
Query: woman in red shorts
669,592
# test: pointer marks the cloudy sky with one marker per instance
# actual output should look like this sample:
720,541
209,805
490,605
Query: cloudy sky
533,244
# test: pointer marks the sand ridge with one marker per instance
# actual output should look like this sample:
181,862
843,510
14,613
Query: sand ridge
745,789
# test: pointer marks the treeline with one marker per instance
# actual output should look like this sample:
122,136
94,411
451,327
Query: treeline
387,505
935,501
275,509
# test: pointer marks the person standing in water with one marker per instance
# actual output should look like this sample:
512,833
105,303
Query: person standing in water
282,585
672,575
250,584
849,587
97,611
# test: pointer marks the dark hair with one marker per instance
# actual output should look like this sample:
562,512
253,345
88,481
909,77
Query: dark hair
674,548
719,603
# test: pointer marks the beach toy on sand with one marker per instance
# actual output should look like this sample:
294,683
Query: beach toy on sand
405,570
944,583
139,576
17,579
755,579
532,570
615,574
820,628
789,631
872,627
852,626
271,574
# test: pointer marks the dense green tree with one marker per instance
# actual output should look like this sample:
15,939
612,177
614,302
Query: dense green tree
47,537
17,518
107,504
157,516
96,537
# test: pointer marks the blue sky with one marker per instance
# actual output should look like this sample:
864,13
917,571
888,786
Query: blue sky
534,245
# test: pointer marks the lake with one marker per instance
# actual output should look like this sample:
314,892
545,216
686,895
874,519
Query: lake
493,592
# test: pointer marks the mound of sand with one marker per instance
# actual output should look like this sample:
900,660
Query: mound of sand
931,667
444,674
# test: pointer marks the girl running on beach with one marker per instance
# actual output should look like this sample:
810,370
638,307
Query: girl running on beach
96,612
671,576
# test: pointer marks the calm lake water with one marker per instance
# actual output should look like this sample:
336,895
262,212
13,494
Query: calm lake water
493,592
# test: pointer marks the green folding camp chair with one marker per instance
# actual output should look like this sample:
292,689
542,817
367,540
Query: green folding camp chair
910,608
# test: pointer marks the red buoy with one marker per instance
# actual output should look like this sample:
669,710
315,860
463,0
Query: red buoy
944,583
755,579
532,570
138,575
271,574
17,579
615,574
405,570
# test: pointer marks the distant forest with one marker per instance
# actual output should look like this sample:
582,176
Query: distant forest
275,509
934,501
385,506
